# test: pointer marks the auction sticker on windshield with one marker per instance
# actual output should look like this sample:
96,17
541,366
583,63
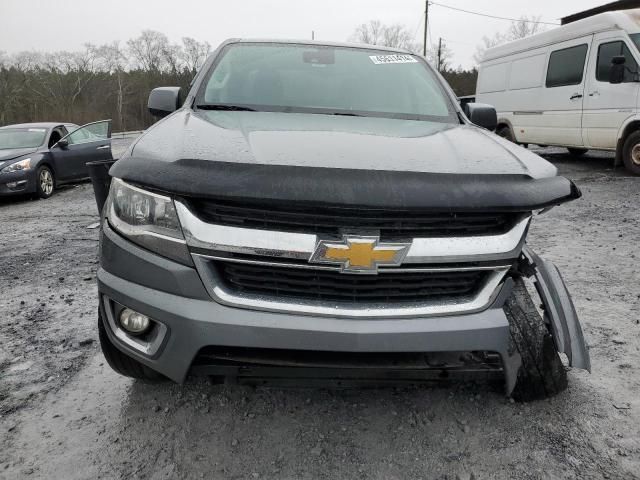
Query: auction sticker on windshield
382,59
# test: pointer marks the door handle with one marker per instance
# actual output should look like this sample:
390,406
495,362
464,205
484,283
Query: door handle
575,95
593,94
103,147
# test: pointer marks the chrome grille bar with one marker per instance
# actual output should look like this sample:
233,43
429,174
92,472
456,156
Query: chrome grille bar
210,238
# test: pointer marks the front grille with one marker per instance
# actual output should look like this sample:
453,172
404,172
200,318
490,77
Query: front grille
388,286
325,220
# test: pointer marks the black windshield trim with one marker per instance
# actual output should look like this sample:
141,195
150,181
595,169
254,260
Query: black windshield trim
321,111
226,107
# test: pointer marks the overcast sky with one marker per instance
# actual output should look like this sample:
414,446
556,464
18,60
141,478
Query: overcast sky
68,24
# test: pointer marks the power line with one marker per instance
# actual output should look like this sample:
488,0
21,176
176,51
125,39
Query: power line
415,33
492,16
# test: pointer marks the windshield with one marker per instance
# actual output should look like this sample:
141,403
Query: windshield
330,80
21,137
635,38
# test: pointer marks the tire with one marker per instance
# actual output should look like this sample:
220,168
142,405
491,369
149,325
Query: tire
121,363
45,182
505,132
577,152
541,374
631,153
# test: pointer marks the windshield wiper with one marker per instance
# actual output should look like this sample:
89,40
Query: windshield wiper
225,106
345,114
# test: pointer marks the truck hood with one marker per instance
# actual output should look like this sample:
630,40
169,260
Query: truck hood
336,159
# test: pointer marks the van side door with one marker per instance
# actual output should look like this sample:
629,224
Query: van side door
562,94
606,105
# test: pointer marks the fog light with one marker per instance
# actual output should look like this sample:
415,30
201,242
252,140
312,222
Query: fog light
134,322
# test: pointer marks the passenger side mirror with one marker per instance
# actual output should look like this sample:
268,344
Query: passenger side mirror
618,67
481,114
62,143
163,101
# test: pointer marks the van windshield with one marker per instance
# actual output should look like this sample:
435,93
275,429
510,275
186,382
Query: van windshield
635,38
326,80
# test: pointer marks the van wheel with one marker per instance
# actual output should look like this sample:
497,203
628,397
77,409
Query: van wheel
505,132
541,374
577,151
631,153
121,363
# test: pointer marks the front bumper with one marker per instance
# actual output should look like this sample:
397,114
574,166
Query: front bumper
16,183
175,296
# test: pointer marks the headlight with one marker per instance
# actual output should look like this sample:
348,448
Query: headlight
148,219
24,164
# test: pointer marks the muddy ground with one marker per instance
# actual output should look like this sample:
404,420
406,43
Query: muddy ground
65,414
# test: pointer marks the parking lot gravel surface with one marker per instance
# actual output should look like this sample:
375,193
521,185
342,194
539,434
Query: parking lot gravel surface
65,414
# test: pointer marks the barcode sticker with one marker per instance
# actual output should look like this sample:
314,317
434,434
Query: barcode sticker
384,59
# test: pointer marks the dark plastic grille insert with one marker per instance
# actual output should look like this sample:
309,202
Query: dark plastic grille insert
287,282
325,220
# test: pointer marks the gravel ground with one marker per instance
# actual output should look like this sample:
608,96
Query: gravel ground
65,414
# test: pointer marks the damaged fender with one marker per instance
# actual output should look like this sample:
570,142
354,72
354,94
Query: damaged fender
559,311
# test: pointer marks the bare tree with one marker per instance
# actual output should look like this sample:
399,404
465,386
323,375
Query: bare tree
446,57
149,50
371,33
398,36
376,33
113,61
194,53
522,28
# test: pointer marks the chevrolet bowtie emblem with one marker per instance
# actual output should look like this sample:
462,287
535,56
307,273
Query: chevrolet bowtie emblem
359,254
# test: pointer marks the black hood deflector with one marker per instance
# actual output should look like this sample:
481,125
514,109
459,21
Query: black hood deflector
347,187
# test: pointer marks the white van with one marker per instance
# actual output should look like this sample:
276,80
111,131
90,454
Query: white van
575,86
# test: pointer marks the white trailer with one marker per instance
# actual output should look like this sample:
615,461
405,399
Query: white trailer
574,86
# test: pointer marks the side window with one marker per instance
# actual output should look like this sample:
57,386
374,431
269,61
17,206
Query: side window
566,66
55,136
606,52
89,133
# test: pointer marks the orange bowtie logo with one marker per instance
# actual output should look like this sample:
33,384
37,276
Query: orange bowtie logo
360,254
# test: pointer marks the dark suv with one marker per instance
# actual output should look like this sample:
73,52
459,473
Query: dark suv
328,211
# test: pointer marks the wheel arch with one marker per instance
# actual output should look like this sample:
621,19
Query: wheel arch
629,127
504,122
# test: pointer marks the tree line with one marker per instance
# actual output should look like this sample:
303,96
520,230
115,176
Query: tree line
99,82
114,80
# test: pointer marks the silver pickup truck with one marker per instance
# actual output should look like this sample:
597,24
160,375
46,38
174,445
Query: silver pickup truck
329,211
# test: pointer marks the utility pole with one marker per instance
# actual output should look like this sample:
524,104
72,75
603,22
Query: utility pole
439,53
426,25
313,35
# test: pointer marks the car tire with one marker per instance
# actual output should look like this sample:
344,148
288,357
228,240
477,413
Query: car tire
505,132
45,182
577,151
541,374
121,363
631,153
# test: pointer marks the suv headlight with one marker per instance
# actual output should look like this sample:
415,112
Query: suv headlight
148,219
24,164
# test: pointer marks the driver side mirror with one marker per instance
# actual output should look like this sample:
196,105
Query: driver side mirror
481,114
618,67
63,143
163,101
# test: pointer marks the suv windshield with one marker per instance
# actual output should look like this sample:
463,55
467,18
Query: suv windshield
21,137
326,80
